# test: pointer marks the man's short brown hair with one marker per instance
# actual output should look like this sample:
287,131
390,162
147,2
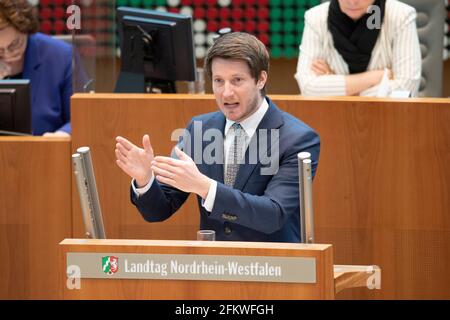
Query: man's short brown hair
19,14
240,46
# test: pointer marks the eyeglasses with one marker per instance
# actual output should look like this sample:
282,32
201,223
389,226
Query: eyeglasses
14,46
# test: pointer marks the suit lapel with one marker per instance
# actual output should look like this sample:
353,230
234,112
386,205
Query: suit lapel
271,120
215,170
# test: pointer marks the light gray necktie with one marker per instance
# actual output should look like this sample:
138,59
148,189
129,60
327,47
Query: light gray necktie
236,153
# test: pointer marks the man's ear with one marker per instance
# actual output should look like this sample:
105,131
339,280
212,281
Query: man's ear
262,80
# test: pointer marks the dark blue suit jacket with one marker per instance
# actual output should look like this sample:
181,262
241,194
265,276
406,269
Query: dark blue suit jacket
48,65
258,207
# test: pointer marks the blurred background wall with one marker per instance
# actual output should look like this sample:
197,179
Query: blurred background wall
277,23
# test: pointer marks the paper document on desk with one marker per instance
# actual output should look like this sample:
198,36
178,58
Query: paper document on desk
385,91
400,94
383,87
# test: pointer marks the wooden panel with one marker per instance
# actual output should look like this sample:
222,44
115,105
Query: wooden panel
35,215
381,194
204,290
382,191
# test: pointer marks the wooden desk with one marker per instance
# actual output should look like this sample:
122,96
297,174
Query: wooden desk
381,193
346,277
35,215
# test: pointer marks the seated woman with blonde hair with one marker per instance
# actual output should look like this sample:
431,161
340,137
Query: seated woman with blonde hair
349,46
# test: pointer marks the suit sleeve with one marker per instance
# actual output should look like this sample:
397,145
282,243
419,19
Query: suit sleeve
161,200
406,60
269,212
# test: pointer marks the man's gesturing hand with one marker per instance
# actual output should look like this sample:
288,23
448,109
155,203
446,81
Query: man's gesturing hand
135,161
181,173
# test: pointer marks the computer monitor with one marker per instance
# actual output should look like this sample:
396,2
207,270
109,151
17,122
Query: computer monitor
15,111
157,49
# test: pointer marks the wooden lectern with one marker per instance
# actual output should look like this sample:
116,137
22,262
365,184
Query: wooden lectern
201,270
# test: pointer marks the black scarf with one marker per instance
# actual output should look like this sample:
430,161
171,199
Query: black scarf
352,39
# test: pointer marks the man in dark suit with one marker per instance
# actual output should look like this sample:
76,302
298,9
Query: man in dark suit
245,170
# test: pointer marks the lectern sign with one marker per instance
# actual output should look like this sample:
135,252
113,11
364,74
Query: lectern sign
194,267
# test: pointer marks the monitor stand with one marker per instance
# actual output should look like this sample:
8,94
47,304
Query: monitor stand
130,82
159,86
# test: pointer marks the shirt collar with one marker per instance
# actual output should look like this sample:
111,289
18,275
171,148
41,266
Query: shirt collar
251,123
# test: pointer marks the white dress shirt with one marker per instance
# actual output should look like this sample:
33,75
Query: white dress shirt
249,125
397,48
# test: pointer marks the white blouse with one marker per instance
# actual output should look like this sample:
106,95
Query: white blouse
397,48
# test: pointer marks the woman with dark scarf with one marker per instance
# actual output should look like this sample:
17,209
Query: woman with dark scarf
348,47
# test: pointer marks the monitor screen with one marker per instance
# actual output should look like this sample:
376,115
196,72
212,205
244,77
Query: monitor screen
15,111
157,49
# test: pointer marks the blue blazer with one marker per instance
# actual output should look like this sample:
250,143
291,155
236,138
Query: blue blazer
48,66
258,207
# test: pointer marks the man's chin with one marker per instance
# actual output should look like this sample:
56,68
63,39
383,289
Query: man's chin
233,116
